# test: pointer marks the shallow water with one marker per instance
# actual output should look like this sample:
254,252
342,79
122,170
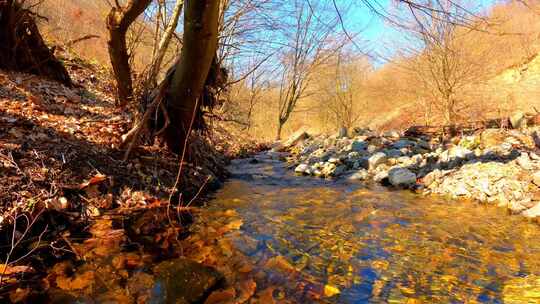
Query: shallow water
368,244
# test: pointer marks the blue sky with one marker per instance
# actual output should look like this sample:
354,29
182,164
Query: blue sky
375,33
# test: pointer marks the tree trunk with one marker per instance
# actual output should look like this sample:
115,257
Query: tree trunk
118,21
198,51
164,42
280,127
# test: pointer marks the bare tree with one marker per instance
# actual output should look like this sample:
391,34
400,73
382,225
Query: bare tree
160,49
118,21
344,99
310,43
441,63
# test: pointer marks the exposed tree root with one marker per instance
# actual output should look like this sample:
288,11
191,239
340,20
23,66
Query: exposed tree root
21,46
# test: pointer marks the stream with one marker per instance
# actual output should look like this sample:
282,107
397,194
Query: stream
368,244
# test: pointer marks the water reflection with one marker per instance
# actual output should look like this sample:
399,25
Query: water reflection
375,245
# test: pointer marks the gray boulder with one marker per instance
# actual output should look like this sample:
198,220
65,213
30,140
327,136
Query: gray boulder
393,153
358,146
401,177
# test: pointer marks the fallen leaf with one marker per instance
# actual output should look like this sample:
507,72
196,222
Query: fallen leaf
19,295
79,282
98,178
10,270
330,290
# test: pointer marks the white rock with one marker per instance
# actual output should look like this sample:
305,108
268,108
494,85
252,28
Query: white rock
401,177
333,160
379,177
301,169
328,169
524,161
460,152
377,159
532,212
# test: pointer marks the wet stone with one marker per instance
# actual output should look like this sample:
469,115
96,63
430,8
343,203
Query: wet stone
184,281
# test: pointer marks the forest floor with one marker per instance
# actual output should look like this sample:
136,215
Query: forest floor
65,192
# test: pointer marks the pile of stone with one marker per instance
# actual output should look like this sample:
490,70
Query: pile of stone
492,166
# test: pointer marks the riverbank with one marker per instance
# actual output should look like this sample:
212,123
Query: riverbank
75,219
492,166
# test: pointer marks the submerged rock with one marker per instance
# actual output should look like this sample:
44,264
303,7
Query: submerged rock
184,281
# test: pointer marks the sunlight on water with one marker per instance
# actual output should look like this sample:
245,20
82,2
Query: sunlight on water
374,245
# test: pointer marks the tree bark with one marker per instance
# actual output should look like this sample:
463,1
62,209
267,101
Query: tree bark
280,127
198,50
118,21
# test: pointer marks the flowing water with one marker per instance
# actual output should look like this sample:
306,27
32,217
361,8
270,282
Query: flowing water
369,244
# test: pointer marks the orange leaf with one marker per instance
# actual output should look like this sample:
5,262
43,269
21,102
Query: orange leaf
98,178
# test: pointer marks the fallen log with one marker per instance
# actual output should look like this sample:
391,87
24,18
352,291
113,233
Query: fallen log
22,47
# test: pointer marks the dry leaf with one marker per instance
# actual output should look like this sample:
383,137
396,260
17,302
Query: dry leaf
10,270
19,295
330,290
98,178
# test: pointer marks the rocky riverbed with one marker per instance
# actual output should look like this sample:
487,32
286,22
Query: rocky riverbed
495,166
